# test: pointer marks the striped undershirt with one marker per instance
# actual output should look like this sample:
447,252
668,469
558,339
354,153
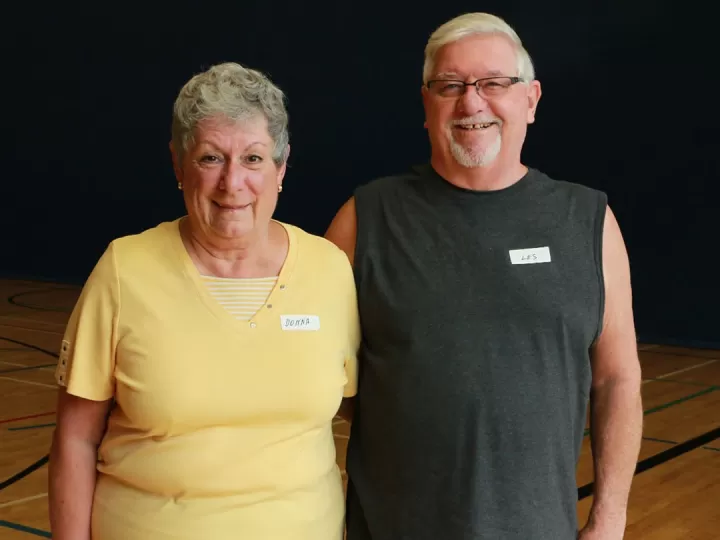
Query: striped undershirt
242,297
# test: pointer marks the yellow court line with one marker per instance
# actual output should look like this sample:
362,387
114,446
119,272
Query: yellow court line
28,329
679,371
28,382
15,364
23,500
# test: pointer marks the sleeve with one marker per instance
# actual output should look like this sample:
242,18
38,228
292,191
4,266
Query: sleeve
353,328
87,353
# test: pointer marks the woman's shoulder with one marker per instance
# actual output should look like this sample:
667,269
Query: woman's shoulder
155,236
316,248
145,250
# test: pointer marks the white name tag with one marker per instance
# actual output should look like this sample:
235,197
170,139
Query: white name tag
530,256
308,323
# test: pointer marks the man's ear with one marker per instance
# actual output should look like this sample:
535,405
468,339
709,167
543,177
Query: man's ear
533,96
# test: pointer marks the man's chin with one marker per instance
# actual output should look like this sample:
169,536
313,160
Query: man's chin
474,161
475,158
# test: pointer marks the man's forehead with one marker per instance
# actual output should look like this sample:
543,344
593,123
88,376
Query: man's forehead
459,74
479,55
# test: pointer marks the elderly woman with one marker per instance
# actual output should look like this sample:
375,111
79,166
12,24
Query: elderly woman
206,357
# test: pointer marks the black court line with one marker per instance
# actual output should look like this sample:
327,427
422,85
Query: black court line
43,460
29,346
653,439
13,300
26,471
26,368
673,442
663,457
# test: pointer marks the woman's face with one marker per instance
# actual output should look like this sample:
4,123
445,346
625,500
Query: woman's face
229,179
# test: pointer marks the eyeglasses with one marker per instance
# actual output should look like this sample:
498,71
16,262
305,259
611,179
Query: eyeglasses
488,87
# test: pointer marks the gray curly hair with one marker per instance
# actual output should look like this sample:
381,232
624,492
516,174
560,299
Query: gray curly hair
237,93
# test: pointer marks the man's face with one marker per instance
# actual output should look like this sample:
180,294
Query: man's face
473,128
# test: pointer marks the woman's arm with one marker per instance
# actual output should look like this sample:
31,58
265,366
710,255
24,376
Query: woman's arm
72,470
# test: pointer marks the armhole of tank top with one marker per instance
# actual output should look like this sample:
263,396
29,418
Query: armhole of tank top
599,232
359,249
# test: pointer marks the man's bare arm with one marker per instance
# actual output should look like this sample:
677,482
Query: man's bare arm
616,413
343,229
342,232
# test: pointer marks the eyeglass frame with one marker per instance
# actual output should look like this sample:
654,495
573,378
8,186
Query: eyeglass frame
513,81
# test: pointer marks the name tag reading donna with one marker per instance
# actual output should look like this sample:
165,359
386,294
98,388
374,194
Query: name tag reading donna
306,323
530,256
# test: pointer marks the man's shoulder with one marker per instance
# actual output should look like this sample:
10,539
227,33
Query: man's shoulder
573,187
393,182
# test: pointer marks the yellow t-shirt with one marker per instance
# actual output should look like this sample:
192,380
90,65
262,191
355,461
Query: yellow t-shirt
222,427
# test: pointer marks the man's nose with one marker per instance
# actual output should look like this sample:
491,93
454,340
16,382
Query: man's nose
471,102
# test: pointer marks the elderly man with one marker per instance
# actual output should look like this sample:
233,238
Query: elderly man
495,303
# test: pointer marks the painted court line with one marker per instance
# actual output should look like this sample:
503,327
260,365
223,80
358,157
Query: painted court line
17,419
684,355
23,500
44,367
15,364
34,426
673,381
679,371
28,382
675,442
664,406
681,400
653,439
663,457
23,528
54,332
13,318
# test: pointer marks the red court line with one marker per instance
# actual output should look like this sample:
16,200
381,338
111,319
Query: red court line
26,417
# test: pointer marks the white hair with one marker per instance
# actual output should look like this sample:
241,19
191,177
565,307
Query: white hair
471,157
472,24
237,93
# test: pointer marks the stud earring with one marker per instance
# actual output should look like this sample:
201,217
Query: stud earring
280,188
180,186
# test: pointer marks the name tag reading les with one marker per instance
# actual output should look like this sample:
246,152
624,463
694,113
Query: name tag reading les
530,256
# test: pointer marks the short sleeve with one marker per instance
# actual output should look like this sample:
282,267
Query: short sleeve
87,352
353,329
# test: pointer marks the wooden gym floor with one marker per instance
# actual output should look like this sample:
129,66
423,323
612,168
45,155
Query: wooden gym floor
675,492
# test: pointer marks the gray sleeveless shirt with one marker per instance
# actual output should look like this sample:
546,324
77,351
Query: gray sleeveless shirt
478,310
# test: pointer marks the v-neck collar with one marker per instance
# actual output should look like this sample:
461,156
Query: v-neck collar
268,313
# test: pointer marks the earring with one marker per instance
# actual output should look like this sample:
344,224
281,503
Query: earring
180,186
279,188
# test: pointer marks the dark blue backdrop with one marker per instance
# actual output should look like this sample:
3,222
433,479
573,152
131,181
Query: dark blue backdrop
627,107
